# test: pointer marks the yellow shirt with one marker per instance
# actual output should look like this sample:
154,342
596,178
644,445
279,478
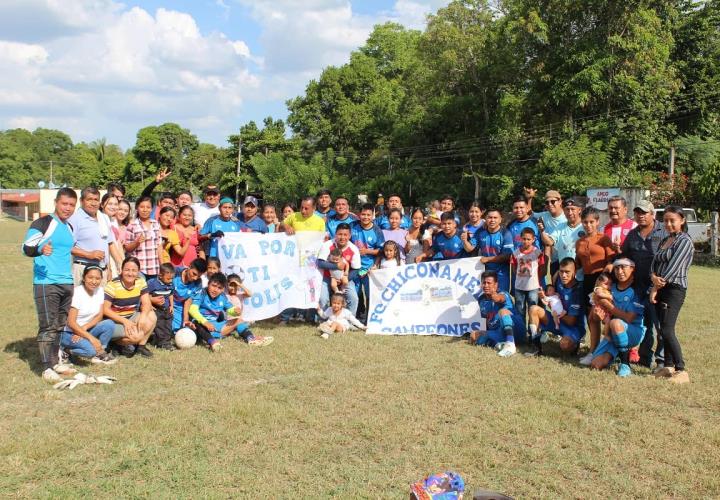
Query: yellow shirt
299,223
172,240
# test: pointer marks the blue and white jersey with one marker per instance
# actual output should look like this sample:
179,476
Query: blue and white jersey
489,310
56,268
213,309
515,228
215,223
450,247
333,222
493,244
384,223
371,238
255,225
473,230
327,215
183,291
627,300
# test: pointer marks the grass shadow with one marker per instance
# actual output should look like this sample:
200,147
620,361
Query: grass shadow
26,350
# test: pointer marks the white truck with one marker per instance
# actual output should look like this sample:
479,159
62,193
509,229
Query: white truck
698,231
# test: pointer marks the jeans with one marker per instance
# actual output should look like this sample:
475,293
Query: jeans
351,296
650,320
670,299
523,300
52,303
103,331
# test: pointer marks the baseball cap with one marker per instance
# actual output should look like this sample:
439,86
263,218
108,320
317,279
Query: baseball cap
250,199
624,262
645,206
211,188
226,199
552,194
572,202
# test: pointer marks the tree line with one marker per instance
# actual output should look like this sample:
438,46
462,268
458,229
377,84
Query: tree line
491,96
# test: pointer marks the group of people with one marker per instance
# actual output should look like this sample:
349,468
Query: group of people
107,283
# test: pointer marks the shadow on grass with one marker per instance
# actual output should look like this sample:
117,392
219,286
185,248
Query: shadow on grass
26,349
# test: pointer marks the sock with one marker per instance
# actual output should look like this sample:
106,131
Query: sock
507,326
621,341
533,329
624,357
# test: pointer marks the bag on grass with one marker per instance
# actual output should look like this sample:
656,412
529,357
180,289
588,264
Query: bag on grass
444,486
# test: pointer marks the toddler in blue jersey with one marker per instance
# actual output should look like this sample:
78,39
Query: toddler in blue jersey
626,328
215,317
502,323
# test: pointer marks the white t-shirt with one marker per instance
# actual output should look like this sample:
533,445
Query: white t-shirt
526,268
87,305
204,212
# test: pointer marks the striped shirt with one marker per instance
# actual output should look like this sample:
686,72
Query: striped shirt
147,251
672,263
125,301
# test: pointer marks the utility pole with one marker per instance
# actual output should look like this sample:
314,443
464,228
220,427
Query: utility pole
671,166
51,173
237,171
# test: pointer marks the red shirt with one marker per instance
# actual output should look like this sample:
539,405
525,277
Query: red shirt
620,231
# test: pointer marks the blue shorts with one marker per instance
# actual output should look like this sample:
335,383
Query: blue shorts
574,333
635,336
219,325
495,336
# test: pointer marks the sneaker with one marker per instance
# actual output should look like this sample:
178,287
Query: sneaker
325,328
680,377
624,370
507,350
324,335
544,337
663,371
215,346
586,360
499,346
127,350
64,369
51,376
260,341
103,359
143,351
634,355
533,353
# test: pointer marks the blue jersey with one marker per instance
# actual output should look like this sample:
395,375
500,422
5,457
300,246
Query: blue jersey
213,309
515,228
255,225
572,301
183,291
627,300
384,223
371,238
473,230
450,247
493,244
489,310
157,288
215,223
56,268
333,222
327,215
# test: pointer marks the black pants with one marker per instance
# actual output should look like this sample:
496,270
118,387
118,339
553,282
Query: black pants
52,303
163,327
652,330
203,333
670,299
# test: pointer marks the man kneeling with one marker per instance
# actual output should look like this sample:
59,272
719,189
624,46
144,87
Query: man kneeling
571,325
501,320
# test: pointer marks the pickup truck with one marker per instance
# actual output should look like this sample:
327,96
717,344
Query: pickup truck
698,231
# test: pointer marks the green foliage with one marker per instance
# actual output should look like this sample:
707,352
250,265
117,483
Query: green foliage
700,160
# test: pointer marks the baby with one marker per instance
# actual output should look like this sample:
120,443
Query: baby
552,300
601,291
338,277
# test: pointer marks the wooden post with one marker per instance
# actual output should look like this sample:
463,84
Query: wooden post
714,233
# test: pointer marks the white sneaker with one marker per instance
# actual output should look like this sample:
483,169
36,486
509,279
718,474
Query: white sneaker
325,335
586,360
51,376
64,369
544,337
325,328
507,350
63,357
499,346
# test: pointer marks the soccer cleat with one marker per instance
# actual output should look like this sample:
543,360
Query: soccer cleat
586,360
324,335
51,376
680,377
260,341
624,370
507,350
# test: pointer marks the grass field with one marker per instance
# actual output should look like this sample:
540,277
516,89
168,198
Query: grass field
354,417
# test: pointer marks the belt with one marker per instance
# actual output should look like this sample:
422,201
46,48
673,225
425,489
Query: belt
89,263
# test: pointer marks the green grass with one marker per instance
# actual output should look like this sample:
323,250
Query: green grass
354,417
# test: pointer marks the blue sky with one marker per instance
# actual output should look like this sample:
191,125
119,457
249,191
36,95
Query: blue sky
105,68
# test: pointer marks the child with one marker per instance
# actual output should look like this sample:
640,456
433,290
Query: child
338,319
237,291
213,266
160,289
389,257
338,277
552,300
210,310
602,290
526,261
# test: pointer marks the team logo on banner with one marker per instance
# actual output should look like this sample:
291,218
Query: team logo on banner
430,298
279,270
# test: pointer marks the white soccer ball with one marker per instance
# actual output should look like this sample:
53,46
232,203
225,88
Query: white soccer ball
185,338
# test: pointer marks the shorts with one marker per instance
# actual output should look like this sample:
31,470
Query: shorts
119,331
497,335
574,333
219,325
635,336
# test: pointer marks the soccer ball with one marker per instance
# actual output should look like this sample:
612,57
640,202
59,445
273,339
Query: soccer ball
185,338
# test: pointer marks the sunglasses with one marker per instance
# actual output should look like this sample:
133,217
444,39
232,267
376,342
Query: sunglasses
551,201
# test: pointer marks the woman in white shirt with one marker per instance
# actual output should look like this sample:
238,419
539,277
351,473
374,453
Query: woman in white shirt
87,334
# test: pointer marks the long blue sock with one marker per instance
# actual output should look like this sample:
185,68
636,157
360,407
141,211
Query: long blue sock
507,326
621,341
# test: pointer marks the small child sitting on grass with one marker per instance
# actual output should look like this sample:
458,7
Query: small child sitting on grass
337,318
210,316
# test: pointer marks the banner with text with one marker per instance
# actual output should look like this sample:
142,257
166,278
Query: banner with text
430,298
278,269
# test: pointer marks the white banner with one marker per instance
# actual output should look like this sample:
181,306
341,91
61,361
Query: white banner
430,298
279,270
598,198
